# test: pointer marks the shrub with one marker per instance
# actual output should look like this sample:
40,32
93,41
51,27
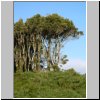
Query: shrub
55,67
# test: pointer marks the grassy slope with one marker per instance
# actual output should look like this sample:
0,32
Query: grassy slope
67,84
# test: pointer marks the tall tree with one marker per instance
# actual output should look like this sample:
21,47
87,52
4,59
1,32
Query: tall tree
19,44
42,35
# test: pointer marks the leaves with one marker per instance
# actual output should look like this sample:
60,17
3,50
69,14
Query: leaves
64,59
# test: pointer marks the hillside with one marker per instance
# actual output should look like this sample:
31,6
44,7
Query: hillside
68,84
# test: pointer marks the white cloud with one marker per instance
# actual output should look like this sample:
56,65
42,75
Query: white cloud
78,64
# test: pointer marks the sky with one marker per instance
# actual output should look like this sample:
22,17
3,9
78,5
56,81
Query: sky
75,11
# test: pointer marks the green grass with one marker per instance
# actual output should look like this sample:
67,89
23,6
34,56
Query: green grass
68,84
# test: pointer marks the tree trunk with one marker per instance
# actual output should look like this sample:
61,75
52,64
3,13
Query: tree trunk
34,47
59,46
29,57
48,55
55,52
39,50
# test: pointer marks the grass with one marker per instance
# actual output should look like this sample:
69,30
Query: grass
68,84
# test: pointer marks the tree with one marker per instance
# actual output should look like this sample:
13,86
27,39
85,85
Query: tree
42,36
35,27
58,29
19,43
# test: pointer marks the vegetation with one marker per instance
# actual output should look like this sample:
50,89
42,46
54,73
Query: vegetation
64,59
68,84
41,36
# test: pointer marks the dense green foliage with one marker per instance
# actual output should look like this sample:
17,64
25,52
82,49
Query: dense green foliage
68,84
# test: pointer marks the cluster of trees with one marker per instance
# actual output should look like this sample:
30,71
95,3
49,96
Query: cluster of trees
41,36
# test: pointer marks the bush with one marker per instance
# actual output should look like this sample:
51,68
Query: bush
68,84
55,67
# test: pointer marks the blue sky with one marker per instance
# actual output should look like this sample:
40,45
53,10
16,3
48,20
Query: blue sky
75,11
